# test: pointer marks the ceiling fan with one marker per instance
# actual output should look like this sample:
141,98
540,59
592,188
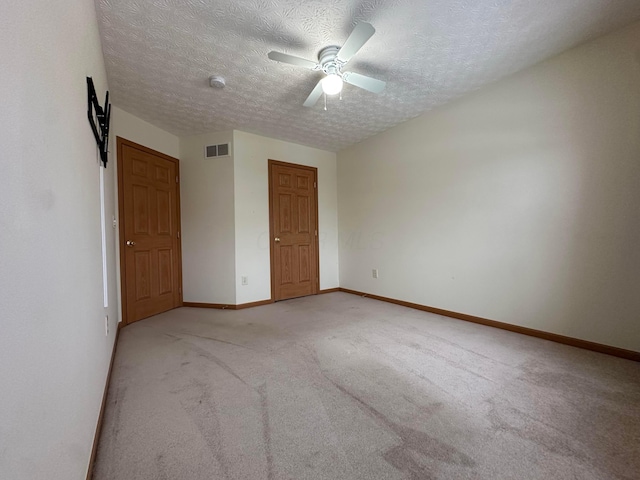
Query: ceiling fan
331,60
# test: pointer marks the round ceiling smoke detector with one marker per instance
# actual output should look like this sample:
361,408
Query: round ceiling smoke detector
216,81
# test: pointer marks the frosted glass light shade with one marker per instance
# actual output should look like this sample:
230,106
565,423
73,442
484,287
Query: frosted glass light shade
332,84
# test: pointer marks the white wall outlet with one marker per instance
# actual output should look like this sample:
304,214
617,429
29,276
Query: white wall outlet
113,221
374,273
106,325
244,280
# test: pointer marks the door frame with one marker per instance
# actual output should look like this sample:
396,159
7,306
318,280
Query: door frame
272,243
121,142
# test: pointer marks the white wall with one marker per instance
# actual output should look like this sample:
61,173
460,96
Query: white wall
518,203
208,231
251,179
132,128
54,354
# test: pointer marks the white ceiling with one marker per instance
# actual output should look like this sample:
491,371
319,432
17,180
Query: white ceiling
159,55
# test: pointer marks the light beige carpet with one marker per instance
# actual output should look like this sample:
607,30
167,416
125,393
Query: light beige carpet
341,387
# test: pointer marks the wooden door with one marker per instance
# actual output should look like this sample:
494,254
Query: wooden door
150,256
294,230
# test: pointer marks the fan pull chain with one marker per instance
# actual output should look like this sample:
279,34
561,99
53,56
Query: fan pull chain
325,102
340,95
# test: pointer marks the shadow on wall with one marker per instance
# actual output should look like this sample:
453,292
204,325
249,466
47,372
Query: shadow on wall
578,188
518,203
602,258
560,186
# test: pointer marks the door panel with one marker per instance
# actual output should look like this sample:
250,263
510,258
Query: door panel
140,209
286,264
284,211
294,245
303,214
163,200
165,274
142,274
149,217
303,182
139,168
162,174
304,263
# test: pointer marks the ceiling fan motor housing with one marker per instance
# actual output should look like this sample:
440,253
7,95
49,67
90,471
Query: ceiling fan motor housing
327,58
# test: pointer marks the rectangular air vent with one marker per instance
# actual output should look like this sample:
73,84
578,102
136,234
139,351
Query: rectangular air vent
221,150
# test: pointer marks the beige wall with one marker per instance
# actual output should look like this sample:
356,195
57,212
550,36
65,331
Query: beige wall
132,128
251,179
208,228
54,353
518,203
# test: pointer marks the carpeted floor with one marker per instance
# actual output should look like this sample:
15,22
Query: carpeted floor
341,387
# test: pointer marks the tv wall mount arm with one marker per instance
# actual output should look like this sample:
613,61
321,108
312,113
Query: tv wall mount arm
101,115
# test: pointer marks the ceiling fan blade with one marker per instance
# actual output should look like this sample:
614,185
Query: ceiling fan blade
370,84
356,40
314,95
285,58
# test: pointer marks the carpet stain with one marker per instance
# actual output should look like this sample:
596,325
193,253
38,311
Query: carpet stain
172,337
201,352
429,410
413,371
114,413
204,415
221,364
215,340
413,442
539,375
415,331
161,467
505,418
422,348
118,402
266,429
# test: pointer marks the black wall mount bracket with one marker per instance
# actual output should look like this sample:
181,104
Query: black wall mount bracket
100,116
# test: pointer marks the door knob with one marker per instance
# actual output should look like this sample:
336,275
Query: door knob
130,243
277,239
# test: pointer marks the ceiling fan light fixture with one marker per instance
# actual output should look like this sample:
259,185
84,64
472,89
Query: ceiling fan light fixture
331,60
332,84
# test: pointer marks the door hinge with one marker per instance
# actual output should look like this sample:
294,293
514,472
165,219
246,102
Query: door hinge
315,185
177,180
178,234
316,233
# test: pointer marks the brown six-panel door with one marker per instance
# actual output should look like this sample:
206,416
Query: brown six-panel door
150,245
294,234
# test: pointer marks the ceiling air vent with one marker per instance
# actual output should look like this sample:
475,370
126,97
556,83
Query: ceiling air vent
221,150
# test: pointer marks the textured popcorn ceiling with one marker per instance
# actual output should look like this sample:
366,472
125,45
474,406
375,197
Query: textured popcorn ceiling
160,53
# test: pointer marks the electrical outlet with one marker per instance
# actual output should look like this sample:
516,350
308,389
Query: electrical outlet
113,221
106,325
374,272
244,280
